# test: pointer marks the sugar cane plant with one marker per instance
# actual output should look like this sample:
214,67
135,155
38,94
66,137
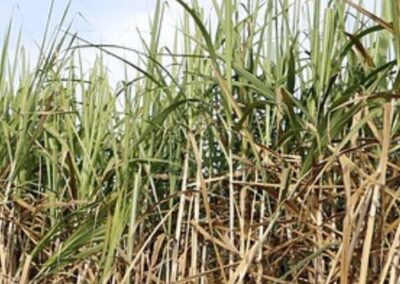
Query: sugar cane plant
262,147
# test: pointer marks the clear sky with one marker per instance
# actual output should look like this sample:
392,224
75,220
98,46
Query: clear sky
99,21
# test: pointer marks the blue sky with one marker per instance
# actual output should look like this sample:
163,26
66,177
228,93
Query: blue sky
99,21
96,20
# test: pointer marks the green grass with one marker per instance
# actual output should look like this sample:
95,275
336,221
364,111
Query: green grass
263,147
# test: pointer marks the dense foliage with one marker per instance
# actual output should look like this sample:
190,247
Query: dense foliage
262,148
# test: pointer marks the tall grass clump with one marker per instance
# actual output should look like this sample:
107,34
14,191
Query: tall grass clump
262,147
